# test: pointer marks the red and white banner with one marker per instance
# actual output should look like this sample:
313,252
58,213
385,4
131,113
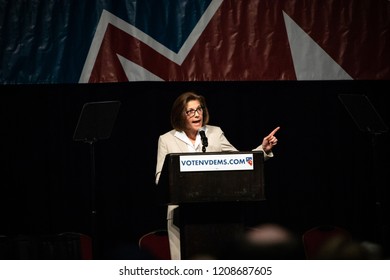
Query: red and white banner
252,40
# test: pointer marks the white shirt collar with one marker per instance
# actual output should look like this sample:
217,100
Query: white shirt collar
191,147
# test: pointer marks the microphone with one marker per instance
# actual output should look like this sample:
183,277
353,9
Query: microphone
205,142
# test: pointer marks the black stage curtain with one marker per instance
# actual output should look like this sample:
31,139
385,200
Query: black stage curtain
324,171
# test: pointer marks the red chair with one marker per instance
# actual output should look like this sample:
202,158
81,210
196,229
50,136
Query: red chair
315,238
78,245
156,243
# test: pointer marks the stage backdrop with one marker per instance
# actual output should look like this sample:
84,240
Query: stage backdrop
260,64
325,170
183,40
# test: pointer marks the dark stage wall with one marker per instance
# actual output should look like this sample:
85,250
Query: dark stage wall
323,171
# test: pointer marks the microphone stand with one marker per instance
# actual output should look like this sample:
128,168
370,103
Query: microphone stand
204,140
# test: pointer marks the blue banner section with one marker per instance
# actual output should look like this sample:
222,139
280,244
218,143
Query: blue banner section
44,41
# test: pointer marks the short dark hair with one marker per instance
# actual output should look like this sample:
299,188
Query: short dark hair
178,114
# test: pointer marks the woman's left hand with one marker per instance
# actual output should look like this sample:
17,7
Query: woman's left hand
270,140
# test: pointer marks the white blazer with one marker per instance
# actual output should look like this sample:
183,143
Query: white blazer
170,142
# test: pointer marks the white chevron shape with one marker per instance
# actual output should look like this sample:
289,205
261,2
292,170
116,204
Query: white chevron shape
108,18
311,62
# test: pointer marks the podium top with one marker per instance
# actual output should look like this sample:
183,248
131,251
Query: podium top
211,177
363,113
96,121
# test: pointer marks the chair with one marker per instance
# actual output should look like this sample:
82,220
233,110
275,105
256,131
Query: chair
315,238
156,244
74,245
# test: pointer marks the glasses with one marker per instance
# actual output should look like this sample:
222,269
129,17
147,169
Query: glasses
192,112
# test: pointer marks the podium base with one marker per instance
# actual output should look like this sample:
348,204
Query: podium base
206,229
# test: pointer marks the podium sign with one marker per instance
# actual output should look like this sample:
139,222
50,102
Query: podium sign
216,162
213,177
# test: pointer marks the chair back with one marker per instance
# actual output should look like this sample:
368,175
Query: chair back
156,244
315,238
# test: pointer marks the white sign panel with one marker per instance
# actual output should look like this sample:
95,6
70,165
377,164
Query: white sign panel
223,162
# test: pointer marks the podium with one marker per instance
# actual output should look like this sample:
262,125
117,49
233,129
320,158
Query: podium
368,120
211,190
96,122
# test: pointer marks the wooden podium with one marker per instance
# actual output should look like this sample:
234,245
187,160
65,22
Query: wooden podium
211,190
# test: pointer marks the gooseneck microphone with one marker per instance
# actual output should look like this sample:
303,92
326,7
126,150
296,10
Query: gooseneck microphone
205,142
